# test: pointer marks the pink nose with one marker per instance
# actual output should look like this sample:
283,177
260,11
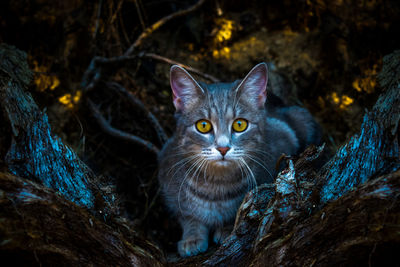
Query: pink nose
223,150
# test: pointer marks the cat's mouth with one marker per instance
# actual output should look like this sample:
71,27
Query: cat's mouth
222,162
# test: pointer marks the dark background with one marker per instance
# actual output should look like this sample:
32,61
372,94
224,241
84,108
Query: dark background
327,53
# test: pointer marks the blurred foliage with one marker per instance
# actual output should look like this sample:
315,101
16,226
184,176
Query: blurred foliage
367,82
69,100
43,80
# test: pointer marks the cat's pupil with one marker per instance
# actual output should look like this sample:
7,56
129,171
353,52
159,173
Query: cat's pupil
204,124
239,123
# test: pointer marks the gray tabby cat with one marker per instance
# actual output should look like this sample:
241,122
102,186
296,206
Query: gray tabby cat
226,142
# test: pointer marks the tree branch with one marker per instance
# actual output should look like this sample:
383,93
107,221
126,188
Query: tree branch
118,133
148,31
162,136
173,62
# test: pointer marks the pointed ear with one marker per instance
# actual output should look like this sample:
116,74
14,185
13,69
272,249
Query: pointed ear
186,91
253,88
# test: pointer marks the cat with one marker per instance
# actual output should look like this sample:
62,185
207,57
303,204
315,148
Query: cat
227,141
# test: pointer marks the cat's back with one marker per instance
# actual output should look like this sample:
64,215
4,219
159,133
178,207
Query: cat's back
294,125
299,122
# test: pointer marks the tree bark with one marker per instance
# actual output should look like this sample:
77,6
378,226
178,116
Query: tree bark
40,227
55,225
358,229
35,152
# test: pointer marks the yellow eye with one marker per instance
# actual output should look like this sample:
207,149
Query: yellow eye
239,125
203,126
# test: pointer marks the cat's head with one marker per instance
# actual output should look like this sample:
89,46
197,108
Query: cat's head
222,123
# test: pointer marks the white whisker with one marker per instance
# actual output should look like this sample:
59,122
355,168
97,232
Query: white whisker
180,164
253,180
184,180
256,160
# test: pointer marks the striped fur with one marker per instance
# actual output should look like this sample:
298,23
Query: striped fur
202,187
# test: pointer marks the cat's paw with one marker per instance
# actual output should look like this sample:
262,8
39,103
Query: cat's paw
192,246
221,234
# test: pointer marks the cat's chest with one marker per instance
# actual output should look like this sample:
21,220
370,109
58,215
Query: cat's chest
213,212
215,203
222,188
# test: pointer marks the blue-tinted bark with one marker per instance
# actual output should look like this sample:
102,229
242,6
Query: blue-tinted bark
35,152
375,150
40,155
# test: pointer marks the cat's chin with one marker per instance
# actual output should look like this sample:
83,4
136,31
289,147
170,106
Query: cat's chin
222,163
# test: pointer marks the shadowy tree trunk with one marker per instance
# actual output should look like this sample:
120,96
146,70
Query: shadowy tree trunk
55,212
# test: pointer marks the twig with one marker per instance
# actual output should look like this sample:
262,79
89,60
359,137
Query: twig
92,75
172,62
150,206
136,102
139,14
146,33
121,21
114,16
117,133
97,19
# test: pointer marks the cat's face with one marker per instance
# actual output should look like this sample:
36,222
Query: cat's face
220,124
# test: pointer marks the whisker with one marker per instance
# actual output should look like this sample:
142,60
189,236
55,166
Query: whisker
259,151
182,163
205,170
253,180
179,162
184,180
246,176
259,163
198,169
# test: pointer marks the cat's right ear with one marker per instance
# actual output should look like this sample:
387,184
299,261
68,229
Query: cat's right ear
186,91
254,86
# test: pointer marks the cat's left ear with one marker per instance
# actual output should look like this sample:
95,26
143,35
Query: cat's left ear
253,87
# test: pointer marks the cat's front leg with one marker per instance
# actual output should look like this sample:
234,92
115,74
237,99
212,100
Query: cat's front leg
194,238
